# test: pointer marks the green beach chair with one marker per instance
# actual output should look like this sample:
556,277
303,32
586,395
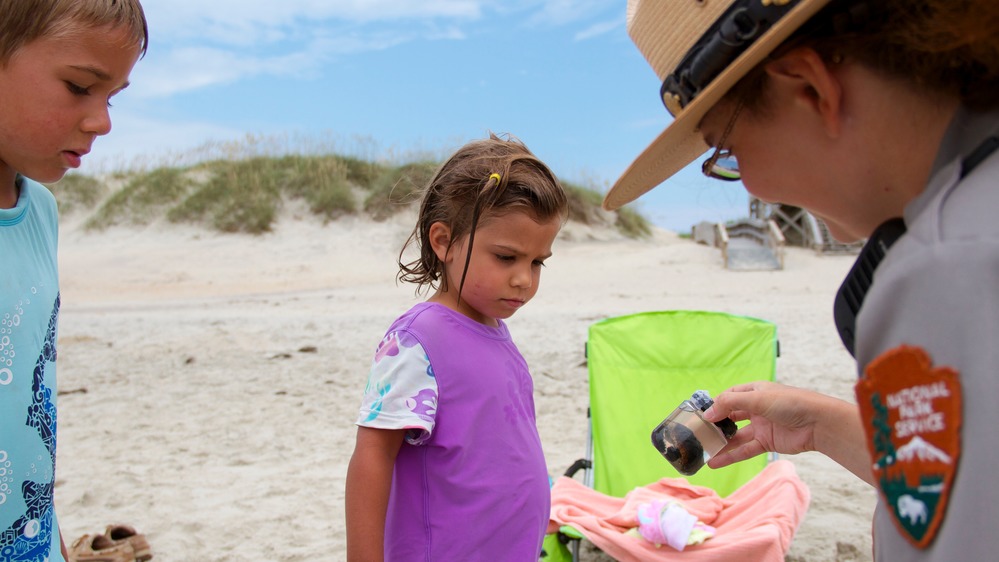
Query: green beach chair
640,367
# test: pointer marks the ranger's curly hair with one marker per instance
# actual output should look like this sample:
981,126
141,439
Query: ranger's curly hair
948,47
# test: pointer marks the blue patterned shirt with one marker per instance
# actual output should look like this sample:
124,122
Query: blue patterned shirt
29,310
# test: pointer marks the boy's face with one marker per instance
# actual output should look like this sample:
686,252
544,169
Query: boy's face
54,96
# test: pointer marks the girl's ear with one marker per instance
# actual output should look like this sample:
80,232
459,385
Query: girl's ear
807,82
440,240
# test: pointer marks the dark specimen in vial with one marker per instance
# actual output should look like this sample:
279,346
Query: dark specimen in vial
686,439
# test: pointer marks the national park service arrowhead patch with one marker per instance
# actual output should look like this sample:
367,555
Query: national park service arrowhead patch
912,418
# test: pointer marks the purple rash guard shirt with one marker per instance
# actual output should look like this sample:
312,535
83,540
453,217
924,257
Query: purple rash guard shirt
470,481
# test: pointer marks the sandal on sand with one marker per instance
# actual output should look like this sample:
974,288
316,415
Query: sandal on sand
99,548
124,534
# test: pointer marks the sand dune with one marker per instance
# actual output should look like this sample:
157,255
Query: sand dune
209,382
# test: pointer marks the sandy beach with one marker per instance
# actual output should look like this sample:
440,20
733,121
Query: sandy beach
209,382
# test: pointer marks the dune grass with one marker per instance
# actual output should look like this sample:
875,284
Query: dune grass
77,191
244,190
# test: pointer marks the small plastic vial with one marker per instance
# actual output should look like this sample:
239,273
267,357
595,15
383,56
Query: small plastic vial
686,439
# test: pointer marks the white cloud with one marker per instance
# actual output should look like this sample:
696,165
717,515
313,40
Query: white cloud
599,28
561,12
140,142
196,44
188,68
235,20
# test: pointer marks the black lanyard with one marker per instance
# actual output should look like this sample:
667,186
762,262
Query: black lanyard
850,296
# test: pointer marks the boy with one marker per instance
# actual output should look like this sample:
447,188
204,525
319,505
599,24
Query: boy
60,63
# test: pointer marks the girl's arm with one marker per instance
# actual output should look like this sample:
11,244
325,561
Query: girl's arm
369,478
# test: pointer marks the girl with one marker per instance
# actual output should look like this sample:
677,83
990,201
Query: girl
882,119
448,462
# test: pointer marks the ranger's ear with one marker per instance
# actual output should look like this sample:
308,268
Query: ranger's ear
802,78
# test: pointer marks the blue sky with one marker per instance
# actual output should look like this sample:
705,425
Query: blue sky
392,78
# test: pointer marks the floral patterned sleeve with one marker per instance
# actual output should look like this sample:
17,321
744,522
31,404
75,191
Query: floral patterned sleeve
401,391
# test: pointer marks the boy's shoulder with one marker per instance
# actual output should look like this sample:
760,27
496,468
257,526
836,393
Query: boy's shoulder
36,193
35,205
40,197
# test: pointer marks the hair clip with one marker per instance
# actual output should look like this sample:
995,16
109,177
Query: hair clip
497,177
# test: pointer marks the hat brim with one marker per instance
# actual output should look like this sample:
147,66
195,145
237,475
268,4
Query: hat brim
682,142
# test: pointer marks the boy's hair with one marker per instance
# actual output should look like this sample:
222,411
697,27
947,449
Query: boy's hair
483,180
23,21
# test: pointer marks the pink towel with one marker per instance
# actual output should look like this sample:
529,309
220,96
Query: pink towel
755,522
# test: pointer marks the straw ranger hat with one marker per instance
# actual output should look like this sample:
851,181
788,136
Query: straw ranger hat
699,49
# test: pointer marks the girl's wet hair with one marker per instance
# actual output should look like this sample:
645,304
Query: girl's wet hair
948,47
483,180
23,21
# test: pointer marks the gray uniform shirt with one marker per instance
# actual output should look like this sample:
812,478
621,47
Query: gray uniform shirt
938,289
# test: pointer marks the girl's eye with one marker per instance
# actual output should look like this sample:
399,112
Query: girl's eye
539,263
77,90
502,257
